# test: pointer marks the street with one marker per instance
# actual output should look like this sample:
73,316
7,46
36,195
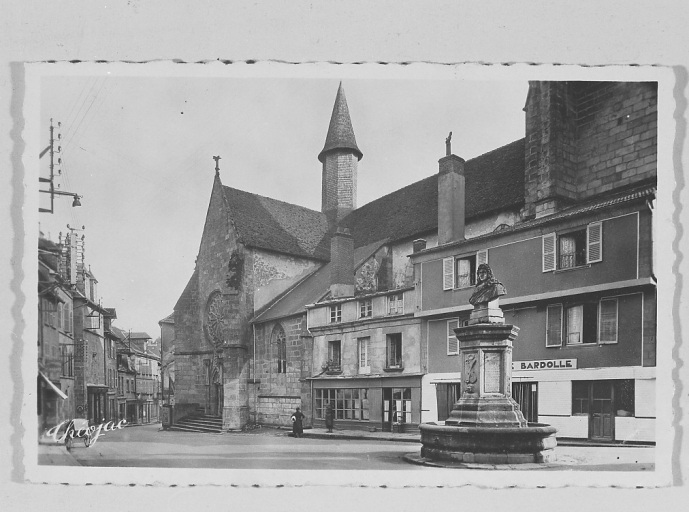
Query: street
148,446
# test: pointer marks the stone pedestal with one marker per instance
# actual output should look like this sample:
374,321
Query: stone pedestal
486,425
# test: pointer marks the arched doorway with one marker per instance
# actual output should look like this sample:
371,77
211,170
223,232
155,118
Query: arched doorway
216,392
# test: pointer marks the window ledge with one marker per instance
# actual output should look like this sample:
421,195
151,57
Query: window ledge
570,269
334,372
393,369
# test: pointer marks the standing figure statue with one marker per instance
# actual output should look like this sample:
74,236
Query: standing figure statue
487,287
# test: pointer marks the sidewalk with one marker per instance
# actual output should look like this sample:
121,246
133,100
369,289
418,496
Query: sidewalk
54,453
321,433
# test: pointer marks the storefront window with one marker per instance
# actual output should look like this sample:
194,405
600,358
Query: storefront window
348,404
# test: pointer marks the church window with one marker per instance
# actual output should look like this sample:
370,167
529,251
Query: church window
280,342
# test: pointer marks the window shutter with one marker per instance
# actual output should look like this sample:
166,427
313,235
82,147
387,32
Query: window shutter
481,257
452,341
554,326
607,332
594,242
549,252
448,273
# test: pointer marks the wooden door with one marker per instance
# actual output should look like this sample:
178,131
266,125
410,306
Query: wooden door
601,418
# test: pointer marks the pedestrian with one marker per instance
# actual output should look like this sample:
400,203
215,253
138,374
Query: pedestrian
297,423
329,416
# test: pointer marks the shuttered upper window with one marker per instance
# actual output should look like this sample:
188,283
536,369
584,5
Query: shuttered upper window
452,341
460,272
573,249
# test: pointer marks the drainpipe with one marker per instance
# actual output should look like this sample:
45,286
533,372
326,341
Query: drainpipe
253,328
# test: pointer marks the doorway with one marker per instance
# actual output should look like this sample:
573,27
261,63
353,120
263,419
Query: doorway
446,396
526,395
216,393
396,407
602,401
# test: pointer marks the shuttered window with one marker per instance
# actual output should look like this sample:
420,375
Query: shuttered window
481,257
608,321
452,341
594,242
554,326
448,273
549,249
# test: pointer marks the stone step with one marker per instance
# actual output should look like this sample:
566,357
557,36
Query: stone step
184,428
198,424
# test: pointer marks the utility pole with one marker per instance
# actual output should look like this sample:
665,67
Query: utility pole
51,189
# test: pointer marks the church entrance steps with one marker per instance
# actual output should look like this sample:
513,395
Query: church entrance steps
199,423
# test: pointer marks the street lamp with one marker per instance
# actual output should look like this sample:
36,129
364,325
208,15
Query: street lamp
54,193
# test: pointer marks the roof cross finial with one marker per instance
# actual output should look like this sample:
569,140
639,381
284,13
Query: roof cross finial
448,145
217,165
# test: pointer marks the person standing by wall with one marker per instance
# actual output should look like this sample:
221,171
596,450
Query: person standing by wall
329,416
297,423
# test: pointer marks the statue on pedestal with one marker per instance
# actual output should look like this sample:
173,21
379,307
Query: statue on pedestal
487,287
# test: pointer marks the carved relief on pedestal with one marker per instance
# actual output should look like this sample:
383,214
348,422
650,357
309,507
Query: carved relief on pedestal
470,374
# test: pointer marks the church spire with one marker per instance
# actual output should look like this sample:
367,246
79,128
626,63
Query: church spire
340,132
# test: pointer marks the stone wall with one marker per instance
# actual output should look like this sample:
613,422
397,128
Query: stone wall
617,134
276,394
274,273
586,138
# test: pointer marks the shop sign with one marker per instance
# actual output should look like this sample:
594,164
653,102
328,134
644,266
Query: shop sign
545,364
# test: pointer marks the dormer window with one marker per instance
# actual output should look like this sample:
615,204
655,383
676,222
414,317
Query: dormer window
336,313
365,308
396,304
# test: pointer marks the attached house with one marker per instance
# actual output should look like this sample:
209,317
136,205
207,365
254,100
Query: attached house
577,263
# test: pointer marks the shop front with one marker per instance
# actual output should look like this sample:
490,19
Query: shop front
377,402
599,404
96,403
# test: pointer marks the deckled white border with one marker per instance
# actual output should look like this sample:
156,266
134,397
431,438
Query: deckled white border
426,477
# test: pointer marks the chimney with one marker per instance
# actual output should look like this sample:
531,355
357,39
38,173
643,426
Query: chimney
341,263
451,197
419,244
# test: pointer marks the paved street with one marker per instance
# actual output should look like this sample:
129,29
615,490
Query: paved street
147,446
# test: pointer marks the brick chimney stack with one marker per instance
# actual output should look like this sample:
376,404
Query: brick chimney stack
451,197
341,263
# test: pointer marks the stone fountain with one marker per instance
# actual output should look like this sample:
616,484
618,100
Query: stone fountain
486,425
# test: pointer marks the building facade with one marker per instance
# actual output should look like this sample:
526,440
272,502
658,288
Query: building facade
577,264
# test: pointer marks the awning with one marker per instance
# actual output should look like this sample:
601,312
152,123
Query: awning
57,390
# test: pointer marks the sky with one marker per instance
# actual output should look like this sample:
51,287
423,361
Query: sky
139,150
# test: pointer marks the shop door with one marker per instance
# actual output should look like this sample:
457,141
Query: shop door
601,419
446,395
396,407
526,395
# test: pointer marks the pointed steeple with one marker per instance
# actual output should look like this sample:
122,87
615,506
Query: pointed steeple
340,132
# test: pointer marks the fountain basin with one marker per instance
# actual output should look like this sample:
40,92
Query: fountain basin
533,443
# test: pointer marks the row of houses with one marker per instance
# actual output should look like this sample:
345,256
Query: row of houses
87,367
357,307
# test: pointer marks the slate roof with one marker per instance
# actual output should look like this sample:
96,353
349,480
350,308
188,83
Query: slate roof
274,225
494,181
340,132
